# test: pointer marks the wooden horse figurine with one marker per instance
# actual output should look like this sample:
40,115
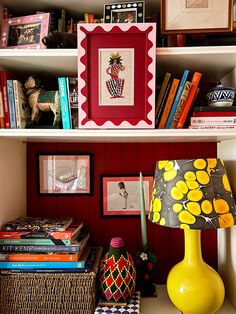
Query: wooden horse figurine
41,100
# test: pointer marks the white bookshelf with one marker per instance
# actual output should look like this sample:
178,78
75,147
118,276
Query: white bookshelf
213,62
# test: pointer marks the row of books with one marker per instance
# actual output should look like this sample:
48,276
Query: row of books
15,111
175,99
207,117
39,244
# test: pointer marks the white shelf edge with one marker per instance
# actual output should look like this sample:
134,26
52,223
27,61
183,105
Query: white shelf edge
116,136
38,52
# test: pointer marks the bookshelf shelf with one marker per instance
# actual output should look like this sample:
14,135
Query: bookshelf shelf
207,60
118,136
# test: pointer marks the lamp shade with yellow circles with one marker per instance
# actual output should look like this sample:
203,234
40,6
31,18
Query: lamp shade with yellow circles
193,195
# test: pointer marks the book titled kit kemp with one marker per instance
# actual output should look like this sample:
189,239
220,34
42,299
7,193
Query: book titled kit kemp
38,224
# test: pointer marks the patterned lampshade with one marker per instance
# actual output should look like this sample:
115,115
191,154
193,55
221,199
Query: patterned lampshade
192,194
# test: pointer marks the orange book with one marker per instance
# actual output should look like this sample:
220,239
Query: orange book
195,81
44,257
168,104
181,104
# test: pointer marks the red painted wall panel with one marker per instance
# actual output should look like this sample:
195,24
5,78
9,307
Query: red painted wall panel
119,158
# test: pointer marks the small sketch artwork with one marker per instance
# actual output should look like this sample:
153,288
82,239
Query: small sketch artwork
116,74
197,4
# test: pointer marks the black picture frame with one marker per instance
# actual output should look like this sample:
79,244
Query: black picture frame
64,174
121,12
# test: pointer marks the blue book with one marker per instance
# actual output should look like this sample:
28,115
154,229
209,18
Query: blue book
176,100
11,102
64,103
42,265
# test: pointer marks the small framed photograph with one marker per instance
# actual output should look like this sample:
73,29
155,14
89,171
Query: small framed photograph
25,31
196,16
121,195
125,12
116,75
64,174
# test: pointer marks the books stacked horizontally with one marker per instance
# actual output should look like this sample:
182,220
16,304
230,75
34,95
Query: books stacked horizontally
213,118
175,99
39,244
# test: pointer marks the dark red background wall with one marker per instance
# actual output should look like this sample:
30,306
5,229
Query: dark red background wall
119,159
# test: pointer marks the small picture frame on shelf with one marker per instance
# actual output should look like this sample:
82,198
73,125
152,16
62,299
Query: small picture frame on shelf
64,174
121,196
25,31
196,16
124,12
116,77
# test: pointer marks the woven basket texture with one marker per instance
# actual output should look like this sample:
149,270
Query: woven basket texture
50,293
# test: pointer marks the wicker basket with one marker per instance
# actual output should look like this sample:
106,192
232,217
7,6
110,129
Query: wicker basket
50,293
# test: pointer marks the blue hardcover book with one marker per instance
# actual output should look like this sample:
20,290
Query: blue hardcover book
64,103
11,102
176,100
42,265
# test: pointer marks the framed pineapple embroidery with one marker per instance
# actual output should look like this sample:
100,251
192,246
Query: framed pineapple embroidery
116,75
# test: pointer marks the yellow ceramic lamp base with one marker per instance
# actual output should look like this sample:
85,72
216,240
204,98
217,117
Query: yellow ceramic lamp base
193,286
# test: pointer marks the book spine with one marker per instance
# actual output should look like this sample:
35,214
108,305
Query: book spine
213,121
168,104
85,269
213,127
195,81
213,113
4,77
64,103
29,257
162,104
17,104
162,92
181,103
177,97
209,108
2,119
34,242
11,102
40,265
40,248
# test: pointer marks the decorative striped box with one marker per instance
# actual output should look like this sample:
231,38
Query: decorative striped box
132,307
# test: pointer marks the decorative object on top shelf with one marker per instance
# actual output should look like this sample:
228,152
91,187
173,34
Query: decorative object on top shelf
120,195
193,194
124,12
25,31
202,16
145,259
65,174
60,40
117,273
116,75
41,100
220,96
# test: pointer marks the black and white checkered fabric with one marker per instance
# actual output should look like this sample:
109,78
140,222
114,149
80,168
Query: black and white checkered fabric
115,86
132,307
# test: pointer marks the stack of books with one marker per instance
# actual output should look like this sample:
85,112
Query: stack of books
39,244
207,117
175,99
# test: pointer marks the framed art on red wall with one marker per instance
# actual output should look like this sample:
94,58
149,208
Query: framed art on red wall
116,75
64,174
121,196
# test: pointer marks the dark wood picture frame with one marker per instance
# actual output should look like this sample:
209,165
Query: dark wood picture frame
200,16
65,174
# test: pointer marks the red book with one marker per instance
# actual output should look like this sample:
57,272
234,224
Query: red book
4,76
195,81
69,234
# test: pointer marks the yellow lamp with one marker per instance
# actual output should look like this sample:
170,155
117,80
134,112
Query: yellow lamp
193,195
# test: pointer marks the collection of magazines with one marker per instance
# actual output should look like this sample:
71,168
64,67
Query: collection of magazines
45,244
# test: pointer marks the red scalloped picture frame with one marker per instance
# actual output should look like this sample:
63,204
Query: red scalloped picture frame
116,75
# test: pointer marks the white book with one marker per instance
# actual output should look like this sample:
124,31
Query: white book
212,127
213,120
